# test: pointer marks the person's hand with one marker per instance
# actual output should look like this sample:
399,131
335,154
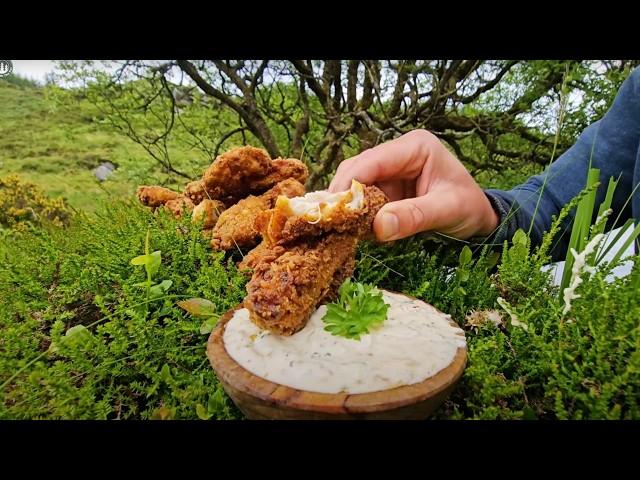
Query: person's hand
428,188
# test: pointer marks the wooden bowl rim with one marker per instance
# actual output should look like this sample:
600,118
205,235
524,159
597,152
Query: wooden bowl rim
232,373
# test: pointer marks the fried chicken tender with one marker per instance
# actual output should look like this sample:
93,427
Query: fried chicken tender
229,175
195,191
352,212
307,252
342,274
283,293
155,196
207,211
179,206
264,252
235,227
281,169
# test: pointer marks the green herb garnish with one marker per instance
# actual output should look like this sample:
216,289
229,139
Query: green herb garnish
358,307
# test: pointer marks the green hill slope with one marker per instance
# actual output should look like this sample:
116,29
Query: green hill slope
58,149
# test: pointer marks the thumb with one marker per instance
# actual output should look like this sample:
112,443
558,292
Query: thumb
404,218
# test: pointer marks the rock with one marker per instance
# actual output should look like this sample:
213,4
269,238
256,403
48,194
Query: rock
104,171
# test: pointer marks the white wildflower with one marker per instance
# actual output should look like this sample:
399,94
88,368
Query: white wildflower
605,214
579,265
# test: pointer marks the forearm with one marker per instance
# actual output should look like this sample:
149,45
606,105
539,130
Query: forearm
610,145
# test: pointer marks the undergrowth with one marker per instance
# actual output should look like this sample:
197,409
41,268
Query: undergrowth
83,336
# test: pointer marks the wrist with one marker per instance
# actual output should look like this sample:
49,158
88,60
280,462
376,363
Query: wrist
490,218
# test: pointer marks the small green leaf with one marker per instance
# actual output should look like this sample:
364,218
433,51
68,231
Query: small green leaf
155,259
140,260
463,275
520,238
465,256
165,373
53,347
492,260
208,325
459,291
198,307
202,412
216,401
161,288
77,335
162,413
359,308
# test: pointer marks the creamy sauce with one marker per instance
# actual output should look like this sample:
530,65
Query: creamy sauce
414,343
320,204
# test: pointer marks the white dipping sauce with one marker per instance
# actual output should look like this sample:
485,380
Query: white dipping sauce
414,343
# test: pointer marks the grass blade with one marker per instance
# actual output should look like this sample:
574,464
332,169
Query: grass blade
581,224
621,232
627,244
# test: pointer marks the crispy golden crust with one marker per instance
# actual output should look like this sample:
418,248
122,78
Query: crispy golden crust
279,226
262,253
283,293
155,196
208,212
342,274
235,227
195,191
281,169
229,175
179,206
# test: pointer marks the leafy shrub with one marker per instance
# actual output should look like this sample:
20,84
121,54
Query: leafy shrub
80,339
22,202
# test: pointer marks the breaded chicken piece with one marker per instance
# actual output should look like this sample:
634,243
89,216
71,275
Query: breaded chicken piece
352,212
342,274
155,196
229,175
208,212
195,191
262,253
281,169
235,227
283,293
179,206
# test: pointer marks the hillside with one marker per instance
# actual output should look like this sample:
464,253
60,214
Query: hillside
58,148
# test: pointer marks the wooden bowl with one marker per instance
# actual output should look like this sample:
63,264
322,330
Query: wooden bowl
261,399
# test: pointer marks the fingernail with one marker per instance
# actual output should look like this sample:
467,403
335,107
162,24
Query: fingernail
388,225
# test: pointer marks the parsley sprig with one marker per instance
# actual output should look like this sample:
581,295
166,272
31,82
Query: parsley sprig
358,307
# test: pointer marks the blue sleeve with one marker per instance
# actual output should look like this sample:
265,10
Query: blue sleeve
612,146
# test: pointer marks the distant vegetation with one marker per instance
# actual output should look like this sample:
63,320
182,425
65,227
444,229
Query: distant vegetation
84,334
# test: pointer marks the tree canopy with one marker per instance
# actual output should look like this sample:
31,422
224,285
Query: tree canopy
494,114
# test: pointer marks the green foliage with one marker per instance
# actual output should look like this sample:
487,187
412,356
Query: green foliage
23,203
75,289
582,222
582,368
85,334
78,339
19,81
437,273
203,309
359,308
54,139
151,263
